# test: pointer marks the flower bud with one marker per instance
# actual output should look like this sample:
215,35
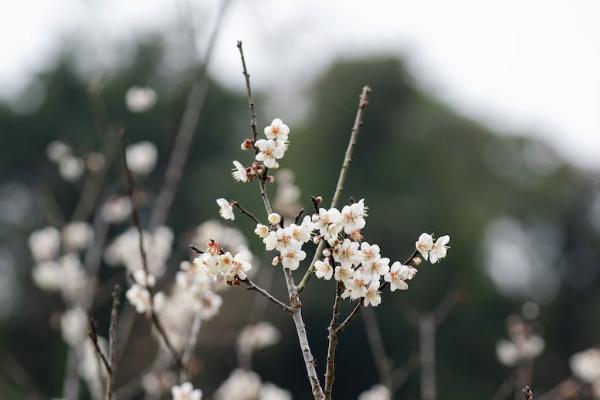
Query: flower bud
270,179
274,218
247,144
275,261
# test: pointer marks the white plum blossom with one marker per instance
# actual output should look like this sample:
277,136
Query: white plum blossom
71,168
141,299
329,223
261,230
77,236
186,391
353,216
372,295
424,245
347,253
343,273
398,275
269,152
116,209
44,244
65,275
140,99
277,130
141,157
239,172
225,209
291,257
439,249
323,270
526,348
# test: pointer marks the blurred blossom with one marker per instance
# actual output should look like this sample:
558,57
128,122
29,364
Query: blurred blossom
186,391
254,337
586,367
71,168
124,250
65,275
140,99
57,150
74,326
287,196
157,382
240,385
270,391
377,392
44,244
530,310
77,236
521,262
116,209
523,346
141,157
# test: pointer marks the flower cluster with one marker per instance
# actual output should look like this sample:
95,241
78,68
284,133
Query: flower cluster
268,151
430,250
246,385
586,367
186,391
287,241
254,337
139,294
222,265
523,346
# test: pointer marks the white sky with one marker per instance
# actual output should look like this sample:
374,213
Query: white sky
525,65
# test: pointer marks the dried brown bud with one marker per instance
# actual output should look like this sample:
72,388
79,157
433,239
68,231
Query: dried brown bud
356,236
214,248
247,144
270,179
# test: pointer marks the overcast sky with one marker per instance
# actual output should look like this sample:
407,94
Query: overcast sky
526,65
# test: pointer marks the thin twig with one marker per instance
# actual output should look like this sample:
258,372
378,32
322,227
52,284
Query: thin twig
191,345
339,189
309,361
269,296
245,211
136,221
187,129
93,335
427,356
112,342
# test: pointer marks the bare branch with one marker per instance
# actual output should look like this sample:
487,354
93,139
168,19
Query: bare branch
358,122
245,211
93,335
187,129
333,340
295,304
253,286
427,356
349,318
136,221
191,345
112,342
380,357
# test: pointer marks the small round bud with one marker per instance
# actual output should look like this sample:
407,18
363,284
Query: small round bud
319,199
326,252
270,179
416,261
247,144
274,218
275,261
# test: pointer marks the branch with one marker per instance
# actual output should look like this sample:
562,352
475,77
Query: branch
349,318
136,221
339,189
112,342
187,128
309,361
93,335
191,346
427,356
333,340
244,211
380,358
253,286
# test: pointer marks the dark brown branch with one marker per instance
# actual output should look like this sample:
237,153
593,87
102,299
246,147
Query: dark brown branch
253,286
245,211
333,339
298,216
349,318
187,129
93,335
136,221
112,342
